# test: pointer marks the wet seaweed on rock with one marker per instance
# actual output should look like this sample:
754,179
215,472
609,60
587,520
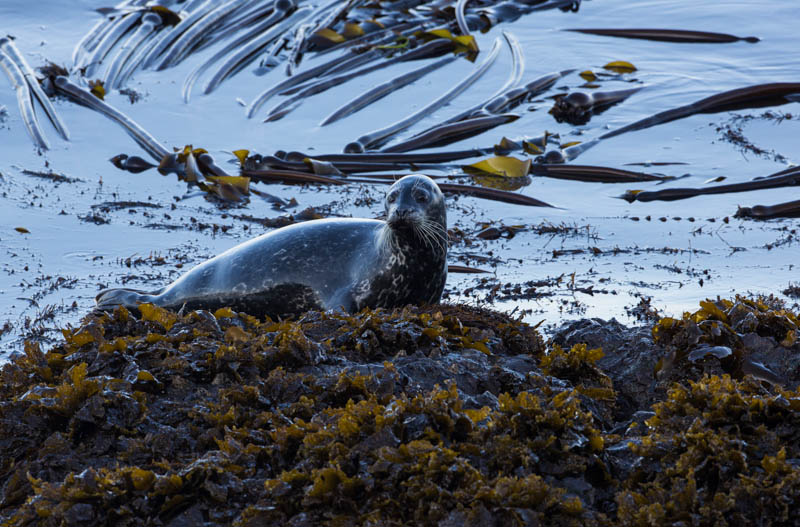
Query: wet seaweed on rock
435,415
716,337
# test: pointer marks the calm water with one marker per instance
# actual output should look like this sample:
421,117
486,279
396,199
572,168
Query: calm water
709,258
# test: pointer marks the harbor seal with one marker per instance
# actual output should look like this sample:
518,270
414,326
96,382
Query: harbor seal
322,264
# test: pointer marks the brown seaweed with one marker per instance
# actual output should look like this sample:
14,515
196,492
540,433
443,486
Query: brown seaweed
350,59
376,138
493,194
787,179
189,39
381,157
668,35
291,177
90,41
113,77
382,90
139,134
117,31
449,133
590,173
464,269
331,80
196,12
18,82
789,209
755,96
247,52
578,107
235,44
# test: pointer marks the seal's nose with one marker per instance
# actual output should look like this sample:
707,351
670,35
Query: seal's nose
401,216
403,213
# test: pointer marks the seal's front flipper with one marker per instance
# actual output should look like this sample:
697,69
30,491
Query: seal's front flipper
130,298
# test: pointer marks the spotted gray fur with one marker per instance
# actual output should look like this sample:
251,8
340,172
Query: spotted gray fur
322,264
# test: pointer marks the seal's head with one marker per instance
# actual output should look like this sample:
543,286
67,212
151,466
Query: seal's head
415,207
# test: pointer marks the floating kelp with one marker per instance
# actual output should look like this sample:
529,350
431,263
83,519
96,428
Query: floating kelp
463,269
330,81
139,134
578,107
450,133
350,59
82,53
383,89
133,164
116,32
18,82
620,66
296,44
510,98
308,164
784,178
290,176
195,12
381,157
510,167
668,35
493,194
246,53
190,38
595,174
137,55
10,50
113,78
378,137
790,209
461,19
749,97
463,44
234,45
501,172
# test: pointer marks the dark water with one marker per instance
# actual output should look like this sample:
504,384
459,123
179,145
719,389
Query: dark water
66,258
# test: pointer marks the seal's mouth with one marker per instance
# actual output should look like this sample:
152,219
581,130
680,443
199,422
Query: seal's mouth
403,219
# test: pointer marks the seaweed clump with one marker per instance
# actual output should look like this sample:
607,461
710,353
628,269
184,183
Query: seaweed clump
739,337
440,415
718,452
434,415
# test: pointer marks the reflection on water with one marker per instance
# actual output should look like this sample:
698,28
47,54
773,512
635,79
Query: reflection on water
609,253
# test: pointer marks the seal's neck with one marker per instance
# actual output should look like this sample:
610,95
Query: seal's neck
426,243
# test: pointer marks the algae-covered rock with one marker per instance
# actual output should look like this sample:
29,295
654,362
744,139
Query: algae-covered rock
442,415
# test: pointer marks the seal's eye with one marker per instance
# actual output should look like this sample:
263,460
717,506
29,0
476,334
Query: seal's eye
391,198
422,197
